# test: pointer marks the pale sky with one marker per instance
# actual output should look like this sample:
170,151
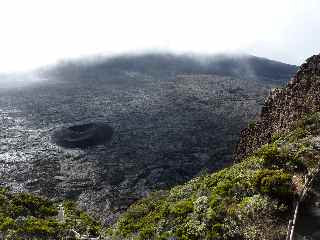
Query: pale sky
39,32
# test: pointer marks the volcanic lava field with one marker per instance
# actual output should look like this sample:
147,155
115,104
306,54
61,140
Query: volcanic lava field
160,132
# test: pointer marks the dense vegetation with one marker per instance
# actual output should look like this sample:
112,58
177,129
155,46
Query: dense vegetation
249,200
27,216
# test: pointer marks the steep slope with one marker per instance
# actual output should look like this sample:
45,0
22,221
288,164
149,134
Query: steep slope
253,199
256,197
284,106
171,117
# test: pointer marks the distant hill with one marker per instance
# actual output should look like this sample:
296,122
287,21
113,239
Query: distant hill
172,117
164,65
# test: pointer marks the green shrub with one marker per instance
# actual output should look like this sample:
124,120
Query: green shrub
187,231
182,207
297,134
24,215
275,157
252,125
39,227
275,137
87,223
80,220
25,204
275,183
147,233
142,215
215,231
223,188
6,223
166,236
268,152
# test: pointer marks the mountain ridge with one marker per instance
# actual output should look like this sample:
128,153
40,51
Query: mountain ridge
237,65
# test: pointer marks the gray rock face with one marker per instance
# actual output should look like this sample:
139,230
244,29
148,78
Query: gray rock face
165,130
283,107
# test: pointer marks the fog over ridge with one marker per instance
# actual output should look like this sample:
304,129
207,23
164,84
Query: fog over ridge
36,33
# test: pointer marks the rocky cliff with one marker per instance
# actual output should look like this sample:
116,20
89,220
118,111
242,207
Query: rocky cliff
283,107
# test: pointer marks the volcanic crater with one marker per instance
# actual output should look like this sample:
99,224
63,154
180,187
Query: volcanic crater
83,135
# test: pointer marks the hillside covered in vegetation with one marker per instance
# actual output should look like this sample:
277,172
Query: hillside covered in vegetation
252,199
27,216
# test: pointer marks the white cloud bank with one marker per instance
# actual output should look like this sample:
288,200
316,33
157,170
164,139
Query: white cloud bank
39,32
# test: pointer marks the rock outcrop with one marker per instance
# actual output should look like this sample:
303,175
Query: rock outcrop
283,107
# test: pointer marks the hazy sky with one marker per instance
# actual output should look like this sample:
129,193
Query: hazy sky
39,32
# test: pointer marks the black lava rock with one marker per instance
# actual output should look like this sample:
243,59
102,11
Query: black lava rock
83,136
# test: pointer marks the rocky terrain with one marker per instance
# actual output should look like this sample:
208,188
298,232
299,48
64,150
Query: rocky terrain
283,107
271,192
171,117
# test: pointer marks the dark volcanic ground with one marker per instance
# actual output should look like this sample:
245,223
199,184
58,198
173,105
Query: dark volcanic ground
166,129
